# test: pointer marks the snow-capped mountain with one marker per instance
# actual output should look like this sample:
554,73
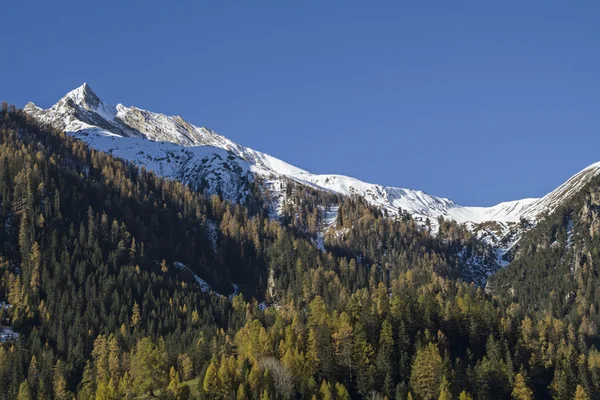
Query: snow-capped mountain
174,148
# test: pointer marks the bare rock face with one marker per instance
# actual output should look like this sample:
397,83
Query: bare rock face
590,212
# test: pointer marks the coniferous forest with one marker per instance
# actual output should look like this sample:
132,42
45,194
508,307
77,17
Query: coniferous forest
105,270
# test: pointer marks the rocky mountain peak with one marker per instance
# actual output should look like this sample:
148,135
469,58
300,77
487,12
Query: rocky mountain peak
85,97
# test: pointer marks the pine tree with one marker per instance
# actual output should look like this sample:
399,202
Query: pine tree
185,367
325,391
226,376
114,356
210,384
386,357
241,392
265,395
24,392
135,315
580,394
85,390
148,366
35,258
174,383
132,251
125,387
464,396
560,385
426,374
341,393
445,393
520,390
401,391
106,391
59,382
365,370
33,375
343,342
100,354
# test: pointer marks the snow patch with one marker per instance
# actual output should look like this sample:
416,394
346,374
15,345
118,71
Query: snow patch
8,335
204,286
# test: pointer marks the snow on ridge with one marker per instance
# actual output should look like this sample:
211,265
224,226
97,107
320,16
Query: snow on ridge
553,199
221,171
172,147
417,202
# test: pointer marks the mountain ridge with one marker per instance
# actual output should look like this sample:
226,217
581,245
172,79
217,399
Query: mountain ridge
81,112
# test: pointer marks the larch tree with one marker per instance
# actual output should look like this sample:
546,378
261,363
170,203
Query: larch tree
426,374
520,390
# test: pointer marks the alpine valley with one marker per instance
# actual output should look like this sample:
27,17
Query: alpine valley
143,257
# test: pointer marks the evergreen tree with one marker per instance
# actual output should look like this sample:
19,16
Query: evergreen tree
148,367
24,392
341,393
211,383
520,390
59,382
426,375
580,394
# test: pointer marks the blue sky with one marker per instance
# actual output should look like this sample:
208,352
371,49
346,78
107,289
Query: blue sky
480,102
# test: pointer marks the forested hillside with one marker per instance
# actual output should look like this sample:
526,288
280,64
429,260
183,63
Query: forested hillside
555,269
103,268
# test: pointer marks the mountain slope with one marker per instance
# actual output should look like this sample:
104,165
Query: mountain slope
105,272
195,155
556,264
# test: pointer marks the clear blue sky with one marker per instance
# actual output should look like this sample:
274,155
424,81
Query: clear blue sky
477,101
